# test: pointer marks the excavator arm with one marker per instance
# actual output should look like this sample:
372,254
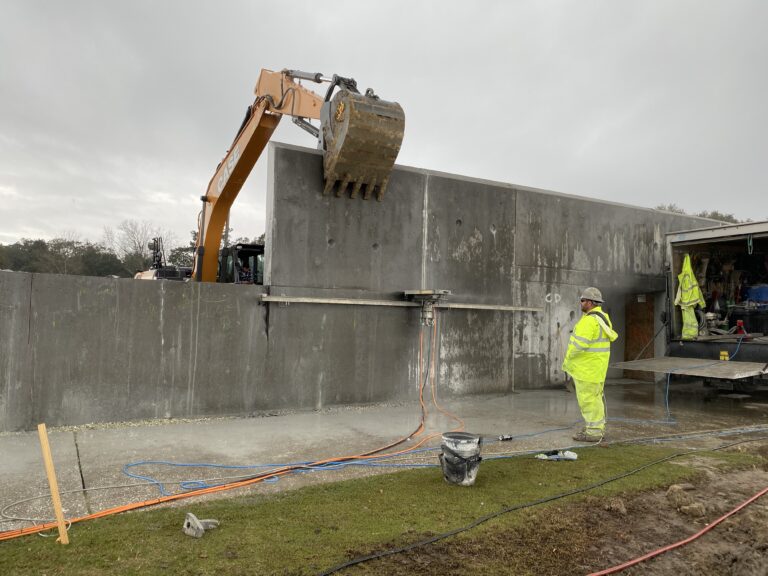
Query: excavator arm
360,136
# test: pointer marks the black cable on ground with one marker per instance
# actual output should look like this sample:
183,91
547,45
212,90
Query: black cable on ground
483,519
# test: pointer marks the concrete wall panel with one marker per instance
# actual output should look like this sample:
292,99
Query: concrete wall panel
476,352
320,355
321,241
16,396
103,349
558,233
470,247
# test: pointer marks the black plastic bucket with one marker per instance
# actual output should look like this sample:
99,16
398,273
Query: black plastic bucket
460,458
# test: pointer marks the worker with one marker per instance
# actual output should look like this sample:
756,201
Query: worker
245,273
586,361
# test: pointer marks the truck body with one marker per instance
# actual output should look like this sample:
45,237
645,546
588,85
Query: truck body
730,264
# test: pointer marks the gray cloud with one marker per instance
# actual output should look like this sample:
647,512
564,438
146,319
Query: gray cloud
123,110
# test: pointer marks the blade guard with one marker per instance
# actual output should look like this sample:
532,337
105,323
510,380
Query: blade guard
361,137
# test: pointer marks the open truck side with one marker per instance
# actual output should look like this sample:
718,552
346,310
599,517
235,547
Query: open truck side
730,349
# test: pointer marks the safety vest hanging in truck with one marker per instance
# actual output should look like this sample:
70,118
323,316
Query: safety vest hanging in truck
688,297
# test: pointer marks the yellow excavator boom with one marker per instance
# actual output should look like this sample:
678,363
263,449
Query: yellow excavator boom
360,135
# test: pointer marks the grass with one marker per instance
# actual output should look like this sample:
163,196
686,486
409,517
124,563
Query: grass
310,529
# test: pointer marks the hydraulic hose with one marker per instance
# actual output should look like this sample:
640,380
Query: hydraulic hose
680,543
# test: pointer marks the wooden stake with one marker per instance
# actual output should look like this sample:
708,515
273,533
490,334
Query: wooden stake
54,486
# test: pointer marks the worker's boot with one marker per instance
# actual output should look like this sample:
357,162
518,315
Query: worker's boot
583,436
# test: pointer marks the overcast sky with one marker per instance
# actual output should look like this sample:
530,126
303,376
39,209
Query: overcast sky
122,110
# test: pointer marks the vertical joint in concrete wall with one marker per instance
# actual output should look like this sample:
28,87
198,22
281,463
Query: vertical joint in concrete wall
265,305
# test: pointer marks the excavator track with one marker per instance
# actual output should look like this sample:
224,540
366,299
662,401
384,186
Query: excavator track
361,135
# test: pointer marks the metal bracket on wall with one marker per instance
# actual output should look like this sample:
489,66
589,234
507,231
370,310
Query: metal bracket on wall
428,300
343,301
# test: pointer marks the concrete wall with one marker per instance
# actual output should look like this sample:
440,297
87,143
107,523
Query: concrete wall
487,242
76,350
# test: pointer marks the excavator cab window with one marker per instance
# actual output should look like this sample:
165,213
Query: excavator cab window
241,264
259,270
227,267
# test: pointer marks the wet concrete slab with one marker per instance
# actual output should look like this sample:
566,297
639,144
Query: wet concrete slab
94,456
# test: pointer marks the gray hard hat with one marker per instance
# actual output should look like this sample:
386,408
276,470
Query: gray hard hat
593,294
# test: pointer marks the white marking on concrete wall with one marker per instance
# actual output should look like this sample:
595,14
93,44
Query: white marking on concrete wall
424,233
469,248
506,352
320,378
195,328
162,309
161,376
11,382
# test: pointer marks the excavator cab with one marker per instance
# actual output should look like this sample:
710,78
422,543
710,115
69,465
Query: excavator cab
241,264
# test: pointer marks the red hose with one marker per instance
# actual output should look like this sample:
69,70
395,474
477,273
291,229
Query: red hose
688,540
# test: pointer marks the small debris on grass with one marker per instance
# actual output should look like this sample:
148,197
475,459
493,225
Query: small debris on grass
616,505
696,509
678,497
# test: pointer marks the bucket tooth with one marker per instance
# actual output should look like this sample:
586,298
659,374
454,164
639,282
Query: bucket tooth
369,189
356,188
382,189
343,186
329,182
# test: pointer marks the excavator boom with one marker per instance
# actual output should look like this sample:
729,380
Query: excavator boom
360,135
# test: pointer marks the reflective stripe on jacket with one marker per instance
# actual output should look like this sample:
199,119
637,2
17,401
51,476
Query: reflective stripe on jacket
589,349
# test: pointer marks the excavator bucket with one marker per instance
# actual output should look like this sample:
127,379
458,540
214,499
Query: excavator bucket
361,138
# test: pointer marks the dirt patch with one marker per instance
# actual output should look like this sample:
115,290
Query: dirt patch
597,533
738,546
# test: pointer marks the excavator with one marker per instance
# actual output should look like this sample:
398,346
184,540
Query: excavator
360,136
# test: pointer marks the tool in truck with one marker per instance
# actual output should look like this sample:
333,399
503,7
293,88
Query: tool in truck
360,136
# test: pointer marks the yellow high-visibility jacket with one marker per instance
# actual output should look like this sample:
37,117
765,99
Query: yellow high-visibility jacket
688,297
589,349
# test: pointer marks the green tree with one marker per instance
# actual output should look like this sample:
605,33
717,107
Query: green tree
670,208
183,256
711,214
28,256
723,217
98,261
62,256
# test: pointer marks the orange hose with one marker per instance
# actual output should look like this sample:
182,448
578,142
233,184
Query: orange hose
10,534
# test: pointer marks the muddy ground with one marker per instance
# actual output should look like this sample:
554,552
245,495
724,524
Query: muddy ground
595,534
